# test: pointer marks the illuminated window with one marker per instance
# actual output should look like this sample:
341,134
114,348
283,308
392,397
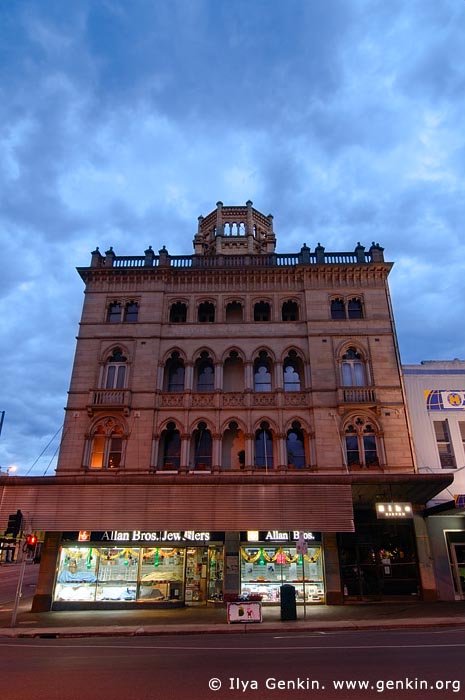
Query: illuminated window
107,446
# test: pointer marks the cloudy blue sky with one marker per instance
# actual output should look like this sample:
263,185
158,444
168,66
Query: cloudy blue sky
122,121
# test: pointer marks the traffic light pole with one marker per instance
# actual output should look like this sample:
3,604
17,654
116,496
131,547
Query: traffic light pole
19,588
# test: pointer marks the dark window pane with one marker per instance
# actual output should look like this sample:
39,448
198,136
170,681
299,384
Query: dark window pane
338,309
355,308
132,312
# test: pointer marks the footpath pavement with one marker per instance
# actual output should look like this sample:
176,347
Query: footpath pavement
202,620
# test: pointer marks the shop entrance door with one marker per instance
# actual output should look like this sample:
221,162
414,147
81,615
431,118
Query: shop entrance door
204,574
196,575
458,567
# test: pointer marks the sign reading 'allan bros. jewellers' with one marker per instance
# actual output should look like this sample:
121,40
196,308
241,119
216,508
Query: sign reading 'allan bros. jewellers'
142,536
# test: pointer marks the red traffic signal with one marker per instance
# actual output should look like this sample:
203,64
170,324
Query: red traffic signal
31,541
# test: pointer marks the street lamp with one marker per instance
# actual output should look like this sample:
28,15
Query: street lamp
9,470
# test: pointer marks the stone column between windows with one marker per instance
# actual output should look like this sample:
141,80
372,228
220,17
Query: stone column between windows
278,376
189,376
155,451
216,452
185,448
281,450
248,376
249,451
218,376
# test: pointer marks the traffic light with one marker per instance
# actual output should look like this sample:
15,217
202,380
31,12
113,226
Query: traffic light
15,521
31,541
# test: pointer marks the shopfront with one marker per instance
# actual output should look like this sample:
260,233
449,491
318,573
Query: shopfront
123,569
270,559
379,560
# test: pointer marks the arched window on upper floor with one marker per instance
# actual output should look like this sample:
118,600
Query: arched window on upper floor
131,312
169,457
295,445
174,373
233,373
115,370
114,312
262,372
262,311
264,447
234,312
233,447
292,372
178,312
107,445
361,444
290,311
204,373
206,312
354,308
202,446
338,309
353,368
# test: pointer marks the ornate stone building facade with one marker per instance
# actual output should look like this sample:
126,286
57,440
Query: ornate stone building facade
233,402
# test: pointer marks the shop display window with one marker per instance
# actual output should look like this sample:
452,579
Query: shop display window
161,574
265,569
117,573
77,575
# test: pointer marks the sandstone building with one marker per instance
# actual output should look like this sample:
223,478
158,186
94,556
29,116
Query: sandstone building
224,406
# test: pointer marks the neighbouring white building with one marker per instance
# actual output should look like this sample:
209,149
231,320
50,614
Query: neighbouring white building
436,401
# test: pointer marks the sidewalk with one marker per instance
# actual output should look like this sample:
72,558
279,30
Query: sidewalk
198,620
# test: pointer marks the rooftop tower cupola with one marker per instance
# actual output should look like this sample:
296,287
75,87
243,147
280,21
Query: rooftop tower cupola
235,231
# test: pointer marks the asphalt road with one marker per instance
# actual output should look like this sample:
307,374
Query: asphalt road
252,667
9,574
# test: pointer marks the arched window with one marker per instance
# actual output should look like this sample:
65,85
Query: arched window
131,312
114,312
354,308
353,368
178,312
262,372
338,309
233,373
170,448
202,448
174,373
206,313
233,447
292,372
262,311
107,445
290,311
264,447
361,444
295,447
234,312
115,370
205,373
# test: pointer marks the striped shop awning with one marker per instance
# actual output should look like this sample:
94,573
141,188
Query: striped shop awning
325,507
